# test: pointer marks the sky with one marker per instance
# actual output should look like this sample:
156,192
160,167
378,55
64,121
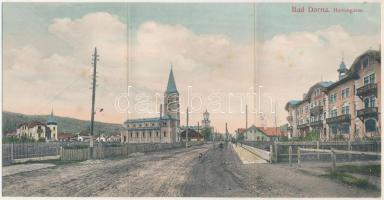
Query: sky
223,57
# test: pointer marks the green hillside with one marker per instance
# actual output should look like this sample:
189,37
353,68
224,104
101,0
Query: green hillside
65,124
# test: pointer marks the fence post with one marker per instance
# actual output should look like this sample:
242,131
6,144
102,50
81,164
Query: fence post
333,156
349,149
290,155
276,151
318,147
11,153
298,157
270,153
61,152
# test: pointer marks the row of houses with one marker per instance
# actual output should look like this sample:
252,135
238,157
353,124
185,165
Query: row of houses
48,131
348,108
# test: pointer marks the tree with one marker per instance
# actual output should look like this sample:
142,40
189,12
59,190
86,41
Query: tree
240,138
206,132
312,136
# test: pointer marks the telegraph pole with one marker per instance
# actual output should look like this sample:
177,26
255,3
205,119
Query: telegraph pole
186,132
161,117
246,117
94,62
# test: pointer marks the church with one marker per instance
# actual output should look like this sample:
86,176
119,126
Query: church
162,129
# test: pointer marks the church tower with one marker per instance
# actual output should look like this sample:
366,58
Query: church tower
52,124
342,70
171,99
206,122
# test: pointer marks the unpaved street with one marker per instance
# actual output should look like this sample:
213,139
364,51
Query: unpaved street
177,172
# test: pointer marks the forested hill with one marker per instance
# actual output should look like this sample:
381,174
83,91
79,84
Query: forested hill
65,124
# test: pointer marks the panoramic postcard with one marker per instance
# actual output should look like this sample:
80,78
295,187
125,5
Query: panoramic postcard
205,99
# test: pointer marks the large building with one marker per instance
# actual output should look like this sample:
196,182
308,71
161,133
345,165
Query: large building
162,129
39,130
346,109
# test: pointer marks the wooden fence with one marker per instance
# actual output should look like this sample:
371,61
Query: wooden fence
332,153
279,151
123,150
17,151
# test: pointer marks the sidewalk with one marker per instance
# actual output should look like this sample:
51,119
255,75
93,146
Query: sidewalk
247,157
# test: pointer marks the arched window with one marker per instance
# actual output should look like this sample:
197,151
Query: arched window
370,125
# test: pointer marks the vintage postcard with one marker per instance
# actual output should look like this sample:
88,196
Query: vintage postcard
166,99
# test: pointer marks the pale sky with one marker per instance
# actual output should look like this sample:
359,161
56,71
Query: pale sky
47,51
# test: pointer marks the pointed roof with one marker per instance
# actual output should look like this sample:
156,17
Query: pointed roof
51,119
171,87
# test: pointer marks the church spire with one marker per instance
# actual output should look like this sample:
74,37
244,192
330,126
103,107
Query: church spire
171,86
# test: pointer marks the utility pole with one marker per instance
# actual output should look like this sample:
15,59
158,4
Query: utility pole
186,132
276,122
94,62
161,117
246,117
226,132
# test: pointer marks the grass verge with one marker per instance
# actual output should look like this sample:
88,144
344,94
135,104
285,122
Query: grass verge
350,179
371,170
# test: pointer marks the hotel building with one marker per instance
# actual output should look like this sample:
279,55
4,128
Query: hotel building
346,109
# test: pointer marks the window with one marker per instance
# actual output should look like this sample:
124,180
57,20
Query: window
150,134
345,108
370,125
370,102
369,79
131,134
137,134
54,128
143,134
345,93
165,135
333,112
125,138
365,62
344,129
334,129
332,98
157,134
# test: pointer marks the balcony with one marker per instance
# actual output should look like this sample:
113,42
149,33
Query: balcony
317,109
339,119
302,126
367,112
317,123
289,118
367,90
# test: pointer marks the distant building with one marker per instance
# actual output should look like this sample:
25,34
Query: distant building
39,130
162,129
65,137
348,108
193,135
254,133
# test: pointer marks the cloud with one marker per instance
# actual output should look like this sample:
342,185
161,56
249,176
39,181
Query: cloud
287,65
291,63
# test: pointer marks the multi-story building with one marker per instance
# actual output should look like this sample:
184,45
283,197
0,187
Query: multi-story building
346,109
39,130
162,129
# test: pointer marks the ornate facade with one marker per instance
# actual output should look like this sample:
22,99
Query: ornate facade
346,109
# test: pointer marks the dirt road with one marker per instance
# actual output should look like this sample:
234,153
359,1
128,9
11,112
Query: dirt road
177,172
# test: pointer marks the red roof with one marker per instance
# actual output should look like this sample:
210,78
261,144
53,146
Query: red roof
64,135
31,124
272,131
241,130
